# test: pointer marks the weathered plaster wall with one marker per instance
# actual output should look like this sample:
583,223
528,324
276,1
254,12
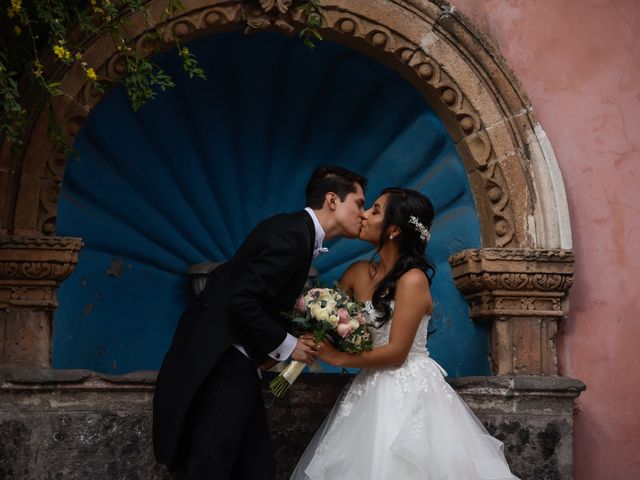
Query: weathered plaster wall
579,61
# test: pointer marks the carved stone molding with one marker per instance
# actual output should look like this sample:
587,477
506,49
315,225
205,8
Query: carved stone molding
32,268
511,282
523,293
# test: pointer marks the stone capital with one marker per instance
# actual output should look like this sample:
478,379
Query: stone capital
514,282
31,268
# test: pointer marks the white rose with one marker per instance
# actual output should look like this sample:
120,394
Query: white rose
354,323
326,294
323,315
333,320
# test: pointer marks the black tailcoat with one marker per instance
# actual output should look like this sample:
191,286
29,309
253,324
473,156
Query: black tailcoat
241,303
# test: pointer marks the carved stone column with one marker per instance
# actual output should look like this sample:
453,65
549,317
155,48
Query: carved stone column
31,269
523,293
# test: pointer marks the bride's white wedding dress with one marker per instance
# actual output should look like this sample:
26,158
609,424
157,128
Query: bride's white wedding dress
402,423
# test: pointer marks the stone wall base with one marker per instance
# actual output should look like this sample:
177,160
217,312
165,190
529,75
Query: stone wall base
77,424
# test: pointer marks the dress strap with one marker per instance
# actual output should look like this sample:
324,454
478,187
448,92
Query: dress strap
442,370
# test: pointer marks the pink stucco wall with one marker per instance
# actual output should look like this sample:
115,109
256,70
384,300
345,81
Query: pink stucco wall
579,61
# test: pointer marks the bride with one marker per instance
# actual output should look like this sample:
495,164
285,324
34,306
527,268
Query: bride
399,419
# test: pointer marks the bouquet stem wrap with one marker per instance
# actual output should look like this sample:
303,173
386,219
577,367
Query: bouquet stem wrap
285,379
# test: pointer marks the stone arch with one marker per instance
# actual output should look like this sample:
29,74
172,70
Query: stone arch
511,166
512,170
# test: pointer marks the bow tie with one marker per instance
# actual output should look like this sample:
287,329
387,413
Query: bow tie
318,250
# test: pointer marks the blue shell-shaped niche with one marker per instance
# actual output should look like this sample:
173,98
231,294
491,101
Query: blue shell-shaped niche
185,178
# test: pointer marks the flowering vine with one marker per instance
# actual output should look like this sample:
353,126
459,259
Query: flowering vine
61,28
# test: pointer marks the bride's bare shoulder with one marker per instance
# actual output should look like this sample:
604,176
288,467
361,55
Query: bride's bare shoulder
355,272
413,286
358,268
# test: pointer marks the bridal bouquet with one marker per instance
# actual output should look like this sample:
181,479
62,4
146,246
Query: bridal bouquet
327,313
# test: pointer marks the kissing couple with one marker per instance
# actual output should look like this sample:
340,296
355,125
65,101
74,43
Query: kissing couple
399,418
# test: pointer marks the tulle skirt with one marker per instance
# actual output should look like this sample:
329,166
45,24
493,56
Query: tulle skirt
402,424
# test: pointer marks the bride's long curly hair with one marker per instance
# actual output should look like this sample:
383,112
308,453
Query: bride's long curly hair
402,204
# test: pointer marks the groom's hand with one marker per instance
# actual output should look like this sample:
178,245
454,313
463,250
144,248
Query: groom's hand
305,350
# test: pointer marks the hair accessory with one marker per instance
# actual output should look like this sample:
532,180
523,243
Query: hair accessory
424,232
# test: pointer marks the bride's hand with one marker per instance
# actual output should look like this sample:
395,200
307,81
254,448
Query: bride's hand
328,353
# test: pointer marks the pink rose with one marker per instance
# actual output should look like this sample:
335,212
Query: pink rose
300,305
344,329
315,292
360,318
343,315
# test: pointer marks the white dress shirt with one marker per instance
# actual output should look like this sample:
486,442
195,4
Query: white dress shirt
317,246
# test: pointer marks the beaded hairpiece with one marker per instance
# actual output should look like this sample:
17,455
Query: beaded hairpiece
424,232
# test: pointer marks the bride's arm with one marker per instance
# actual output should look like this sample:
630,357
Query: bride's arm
412,302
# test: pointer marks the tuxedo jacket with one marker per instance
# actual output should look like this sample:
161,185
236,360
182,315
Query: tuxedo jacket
241,303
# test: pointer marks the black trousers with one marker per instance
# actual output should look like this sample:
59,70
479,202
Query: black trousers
228,427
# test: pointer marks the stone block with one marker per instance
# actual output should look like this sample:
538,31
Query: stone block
25,338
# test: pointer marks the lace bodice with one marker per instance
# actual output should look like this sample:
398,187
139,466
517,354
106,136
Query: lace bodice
381,335
418,373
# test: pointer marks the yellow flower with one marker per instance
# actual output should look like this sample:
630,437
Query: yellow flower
91,74
61,52
37,69
17,30
10,12
78,56
98,10
16,5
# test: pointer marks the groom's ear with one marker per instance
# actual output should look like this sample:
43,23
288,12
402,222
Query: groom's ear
331,200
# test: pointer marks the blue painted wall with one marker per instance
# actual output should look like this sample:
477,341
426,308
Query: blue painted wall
186,177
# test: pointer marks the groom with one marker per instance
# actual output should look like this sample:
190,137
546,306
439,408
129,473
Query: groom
208,413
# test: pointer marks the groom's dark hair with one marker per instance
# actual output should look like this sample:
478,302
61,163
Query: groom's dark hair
331,178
